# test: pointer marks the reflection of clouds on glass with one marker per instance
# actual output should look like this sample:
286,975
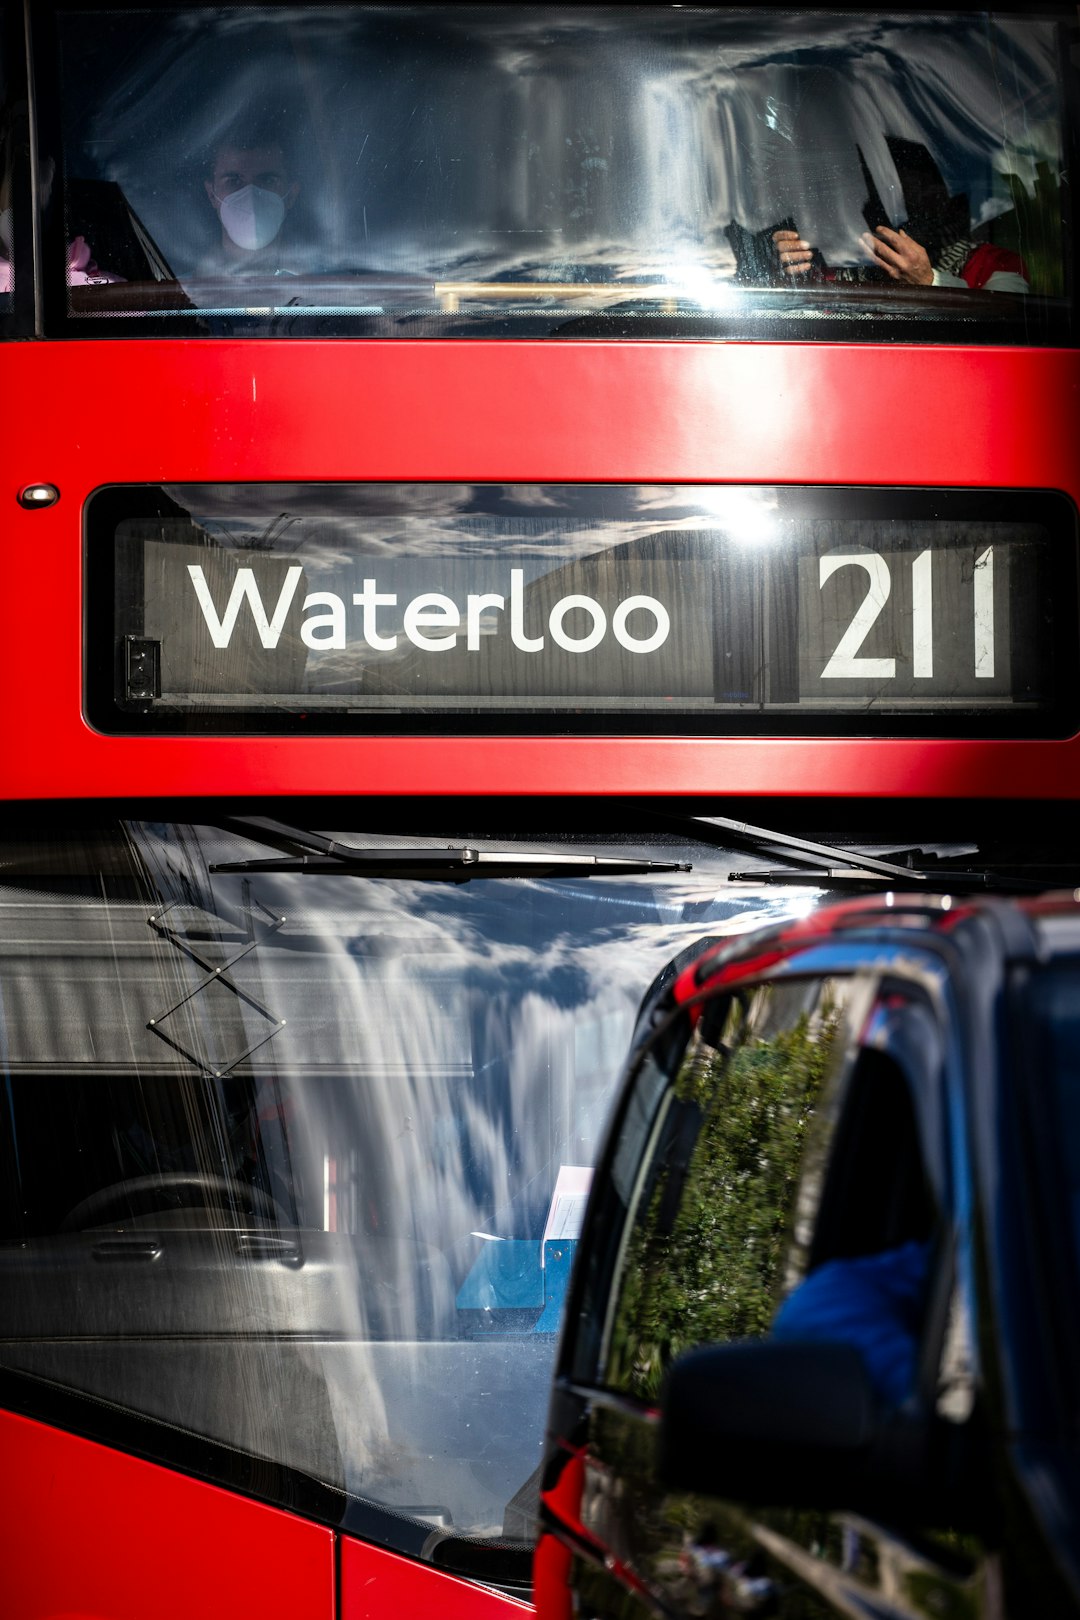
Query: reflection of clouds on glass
256,505
554,525
430,1077
425,993
457,143
497,539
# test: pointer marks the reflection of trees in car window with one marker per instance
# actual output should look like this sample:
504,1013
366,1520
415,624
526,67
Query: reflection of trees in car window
707,1257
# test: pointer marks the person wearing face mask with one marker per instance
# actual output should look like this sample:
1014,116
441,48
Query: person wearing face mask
251,188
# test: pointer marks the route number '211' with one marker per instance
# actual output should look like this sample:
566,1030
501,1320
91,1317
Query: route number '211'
845,664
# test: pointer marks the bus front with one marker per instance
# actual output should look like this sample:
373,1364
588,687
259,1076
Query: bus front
494,495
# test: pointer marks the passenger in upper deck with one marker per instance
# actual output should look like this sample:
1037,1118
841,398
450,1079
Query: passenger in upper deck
251,186
939,247
963,262
81,268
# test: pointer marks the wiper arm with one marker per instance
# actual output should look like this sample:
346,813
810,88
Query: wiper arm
855,870
459,864
943,879
719,830
843,868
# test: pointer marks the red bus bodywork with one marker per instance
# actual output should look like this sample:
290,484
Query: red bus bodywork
143,411
523,411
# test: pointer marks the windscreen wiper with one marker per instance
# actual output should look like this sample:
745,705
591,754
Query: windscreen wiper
843,868
722,832
947,879
455,864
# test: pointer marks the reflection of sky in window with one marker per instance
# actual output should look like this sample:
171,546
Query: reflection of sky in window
431,1073
356,525
456,1012
462,539
513,141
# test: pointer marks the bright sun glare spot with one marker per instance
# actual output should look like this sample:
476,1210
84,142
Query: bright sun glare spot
749,516
700,286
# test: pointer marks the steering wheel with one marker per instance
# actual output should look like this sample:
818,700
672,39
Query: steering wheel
184,1189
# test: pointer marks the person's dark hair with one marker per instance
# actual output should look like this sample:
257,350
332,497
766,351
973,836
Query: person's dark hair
935,216
249,133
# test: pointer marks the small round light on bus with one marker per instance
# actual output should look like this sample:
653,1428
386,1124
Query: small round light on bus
38,495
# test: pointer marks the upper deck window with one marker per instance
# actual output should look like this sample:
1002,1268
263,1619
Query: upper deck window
524,170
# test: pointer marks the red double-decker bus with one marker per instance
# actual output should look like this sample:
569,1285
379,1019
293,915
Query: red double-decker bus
467,469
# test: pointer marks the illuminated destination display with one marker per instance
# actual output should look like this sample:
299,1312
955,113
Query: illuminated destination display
575,607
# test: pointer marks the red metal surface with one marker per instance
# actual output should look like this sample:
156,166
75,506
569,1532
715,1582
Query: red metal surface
561,1502
377,1584
84,414
551,1579
89,1534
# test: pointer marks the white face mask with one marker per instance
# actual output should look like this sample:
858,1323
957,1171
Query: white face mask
5,232
252,217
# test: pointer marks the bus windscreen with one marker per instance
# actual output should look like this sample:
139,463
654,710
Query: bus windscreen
532,170
293,1159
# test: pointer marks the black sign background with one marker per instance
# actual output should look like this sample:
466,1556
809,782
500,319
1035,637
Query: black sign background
583,608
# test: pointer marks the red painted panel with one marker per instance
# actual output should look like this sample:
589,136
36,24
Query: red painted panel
89,1534
561,1505
551,1579
85,414
376,1585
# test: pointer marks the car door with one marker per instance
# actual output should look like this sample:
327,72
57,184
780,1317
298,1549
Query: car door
777,1189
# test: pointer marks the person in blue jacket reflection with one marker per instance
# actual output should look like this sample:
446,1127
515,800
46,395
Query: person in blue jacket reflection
872,1301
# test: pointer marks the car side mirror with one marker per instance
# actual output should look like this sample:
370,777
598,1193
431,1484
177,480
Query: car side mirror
786,1425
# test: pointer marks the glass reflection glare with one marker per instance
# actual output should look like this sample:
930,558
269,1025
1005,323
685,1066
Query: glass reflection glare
347,1220
495,162
694,284
750,516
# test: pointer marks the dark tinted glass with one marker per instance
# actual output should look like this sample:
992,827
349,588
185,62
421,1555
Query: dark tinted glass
1054,998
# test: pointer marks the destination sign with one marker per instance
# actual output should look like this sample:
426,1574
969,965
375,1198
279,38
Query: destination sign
581,607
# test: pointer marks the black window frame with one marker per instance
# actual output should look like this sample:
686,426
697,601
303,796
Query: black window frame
22,317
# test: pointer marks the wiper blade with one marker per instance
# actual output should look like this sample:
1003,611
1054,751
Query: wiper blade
833,877
844,868
719,830
455,864
452,865
944,880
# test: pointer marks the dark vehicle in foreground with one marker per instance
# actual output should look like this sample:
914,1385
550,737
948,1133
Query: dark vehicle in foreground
820,1354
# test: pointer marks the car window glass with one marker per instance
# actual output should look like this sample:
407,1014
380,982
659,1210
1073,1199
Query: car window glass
725,1204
